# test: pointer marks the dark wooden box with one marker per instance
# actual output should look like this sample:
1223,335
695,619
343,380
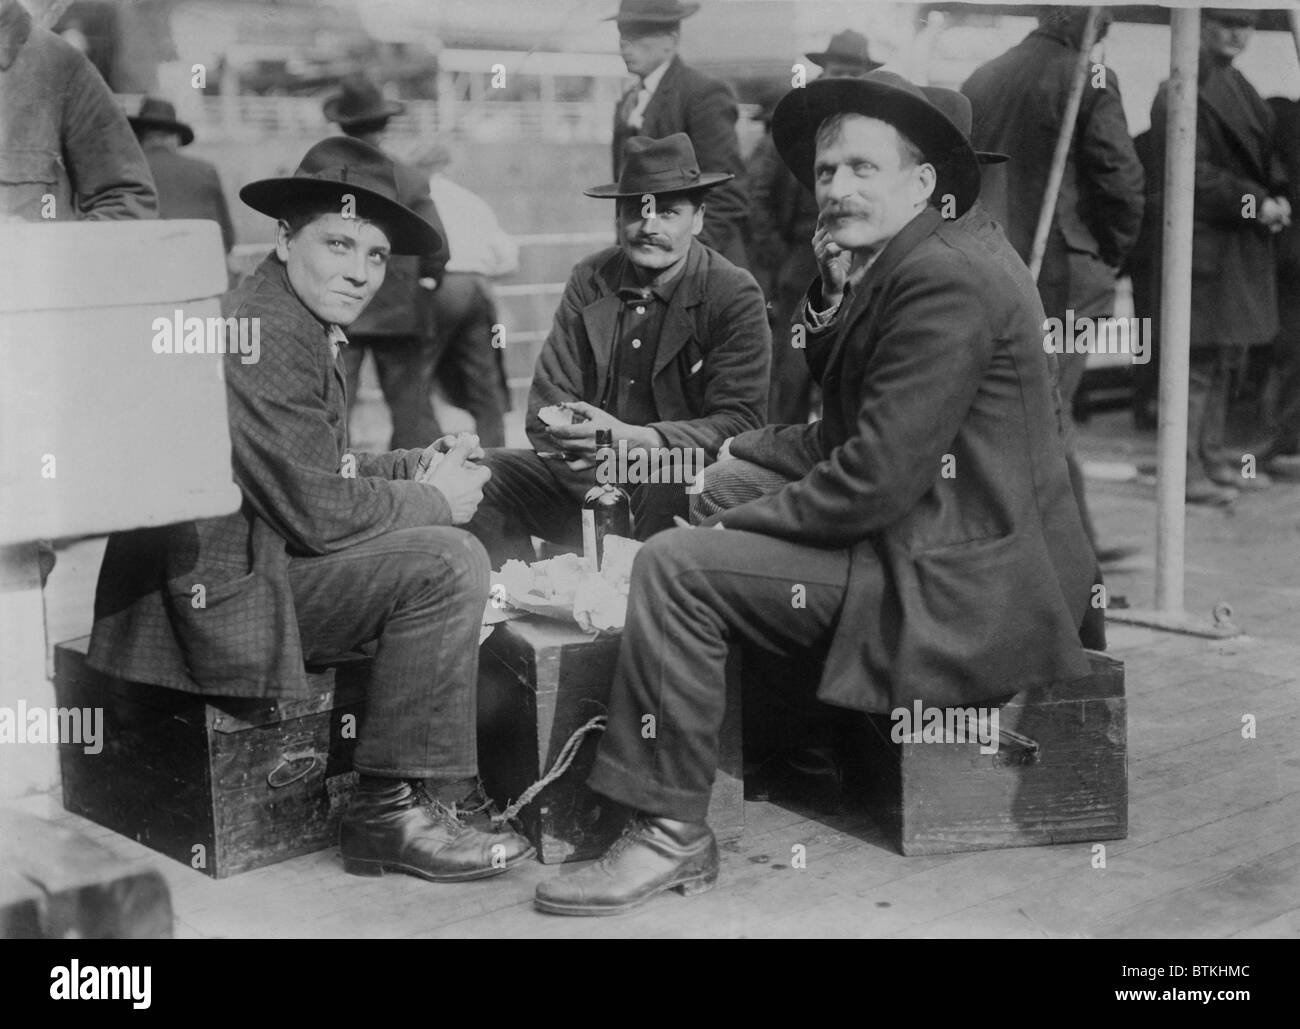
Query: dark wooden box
943,797
56,884
539,680
222,784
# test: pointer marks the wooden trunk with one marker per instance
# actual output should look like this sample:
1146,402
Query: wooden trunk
541,680
56,884
222,784
942,797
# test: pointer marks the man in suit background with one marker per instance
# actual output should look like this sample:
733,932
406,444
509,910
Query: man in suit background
921,539
397,328
187,186
660,340
1240,206
670,97
1019,102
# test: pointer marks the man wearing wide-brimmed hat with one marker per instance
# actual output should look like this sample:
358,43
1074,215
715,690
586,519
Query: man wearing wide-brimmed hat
783,218
671,97
187,187
921,540
660,339
397,328
332,551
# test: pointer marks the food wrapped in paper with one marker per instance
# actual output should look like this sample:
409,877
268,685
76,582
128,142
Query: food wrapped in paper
598,606
556,414
561,588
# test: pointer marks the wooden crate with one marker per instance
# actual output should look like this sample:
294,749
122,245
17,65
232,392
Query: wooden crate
539,680
56,884
222,784
943,797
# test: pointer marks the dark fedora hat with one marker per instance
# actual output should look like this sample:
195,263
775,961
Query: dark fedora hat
847,47
1234,16
656,166
157,113
892,99
359,101
958,109
335,168
653,12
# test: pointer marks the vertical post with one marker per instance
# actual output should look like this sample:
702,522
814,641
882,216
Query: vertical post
1175,317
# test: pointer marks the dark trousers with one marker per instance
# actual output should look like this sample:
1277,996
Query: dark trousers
1286,355
531,496
1210,375
696,593
791,397
414,598
405,365
466,364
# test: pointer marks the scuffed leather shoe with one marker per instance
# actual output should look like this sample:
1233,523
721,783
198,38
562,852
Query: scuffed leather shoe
401,829
653,855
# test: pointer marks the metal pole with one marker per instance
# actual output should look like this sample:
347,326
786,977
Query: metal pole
1057,171
1293,17
1175,318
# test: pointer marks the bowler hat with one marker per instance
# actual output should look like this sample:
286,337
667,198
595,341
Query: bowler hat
957,107
653,12
1231,15
654,166
339,167
359,101
157,113
892,99
847,47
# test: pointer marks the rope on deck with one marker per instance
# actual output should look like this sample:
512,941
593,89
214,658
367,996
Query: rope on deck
565,758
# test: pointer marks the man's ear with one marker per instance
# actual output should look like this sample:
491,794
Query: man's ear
282,241
927,181
697,221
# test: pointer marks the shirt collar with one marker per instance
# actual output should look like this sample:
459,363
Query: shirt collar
651,81
337,338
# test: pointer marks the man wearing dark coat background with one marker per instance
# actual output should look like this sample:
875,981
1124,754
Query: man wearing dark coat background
669,97
1019,102
397,327
922,538
1240,205
187,187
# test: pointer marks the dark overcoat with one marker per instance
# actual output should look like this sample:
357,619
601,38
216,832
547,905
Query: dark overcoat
940,464
711,358
1234,287
702,107
189,188
1018,104
304,493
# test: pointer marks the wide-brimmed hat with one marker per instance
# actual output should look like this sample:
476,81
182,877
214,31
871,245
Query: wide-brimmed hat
359,101
847,47
335,168
655,166
890,98
653,12
958,109
1231,15
157,113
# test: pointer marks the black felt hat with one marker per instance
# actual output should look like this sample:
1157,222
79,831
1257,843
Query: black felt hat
157,113
359,101
892,99
336,168
653,166
847,47
958,109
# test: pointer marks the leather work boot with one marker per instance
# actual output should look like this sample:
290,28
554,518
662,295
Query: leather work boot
399,828
652,855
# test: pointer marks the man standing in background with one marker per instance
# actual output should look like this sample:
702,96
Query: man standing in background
1240,205
1019,102
469,355
397,325
187,187
669,97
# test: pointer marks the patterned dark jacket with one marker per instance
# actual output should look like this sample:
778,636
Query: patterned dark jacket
304,493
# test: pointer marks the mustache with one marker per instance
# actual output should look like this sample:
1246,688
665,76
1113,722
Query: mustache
652,241
839,210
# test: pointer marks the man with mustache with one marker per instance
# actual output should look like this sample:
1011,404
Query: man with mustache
920,543
661,340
